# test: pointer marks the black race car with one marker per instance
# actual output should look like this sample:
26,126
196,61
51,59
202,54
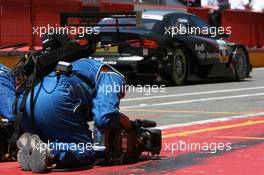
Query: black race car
157,44
156,48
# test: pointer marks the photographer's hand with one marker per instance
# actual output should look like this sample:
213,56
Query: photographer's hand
124,121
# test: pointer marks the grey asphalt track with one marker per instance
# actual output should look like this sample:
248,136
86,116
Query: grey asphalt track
198,100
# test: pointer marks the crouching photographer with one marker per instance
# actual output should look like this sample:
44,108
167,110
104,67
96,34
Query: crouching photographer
53,108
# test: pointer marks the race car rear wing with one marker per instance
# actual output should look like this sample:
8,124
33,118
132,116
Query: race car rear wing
91,19
92,15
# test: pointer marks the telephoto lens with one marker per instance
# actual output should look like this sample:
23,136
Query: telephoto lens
149,140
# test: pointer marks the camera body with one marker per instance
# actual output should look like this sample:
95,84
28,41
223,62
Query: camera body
126,146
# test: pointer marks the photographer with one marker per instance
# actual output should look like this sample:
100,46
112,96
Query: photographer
62,105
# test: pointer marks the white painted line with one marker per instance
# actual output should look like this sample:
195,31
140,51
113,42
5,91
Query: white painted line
210,121
259,68
195,100
195,93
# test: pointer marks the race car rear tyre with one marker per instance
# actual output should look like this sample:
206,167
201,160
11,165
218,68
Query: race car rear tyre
180,66
240,65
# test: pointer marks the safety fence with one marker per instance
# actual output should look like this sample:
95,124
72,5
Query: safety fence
19,19
247,26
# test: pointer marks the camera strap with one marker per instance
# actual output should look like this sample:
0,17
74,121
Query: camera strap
15,135
18,118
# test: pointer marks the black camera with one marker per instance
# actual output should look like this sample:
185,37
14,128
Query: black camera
6,130
126,146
